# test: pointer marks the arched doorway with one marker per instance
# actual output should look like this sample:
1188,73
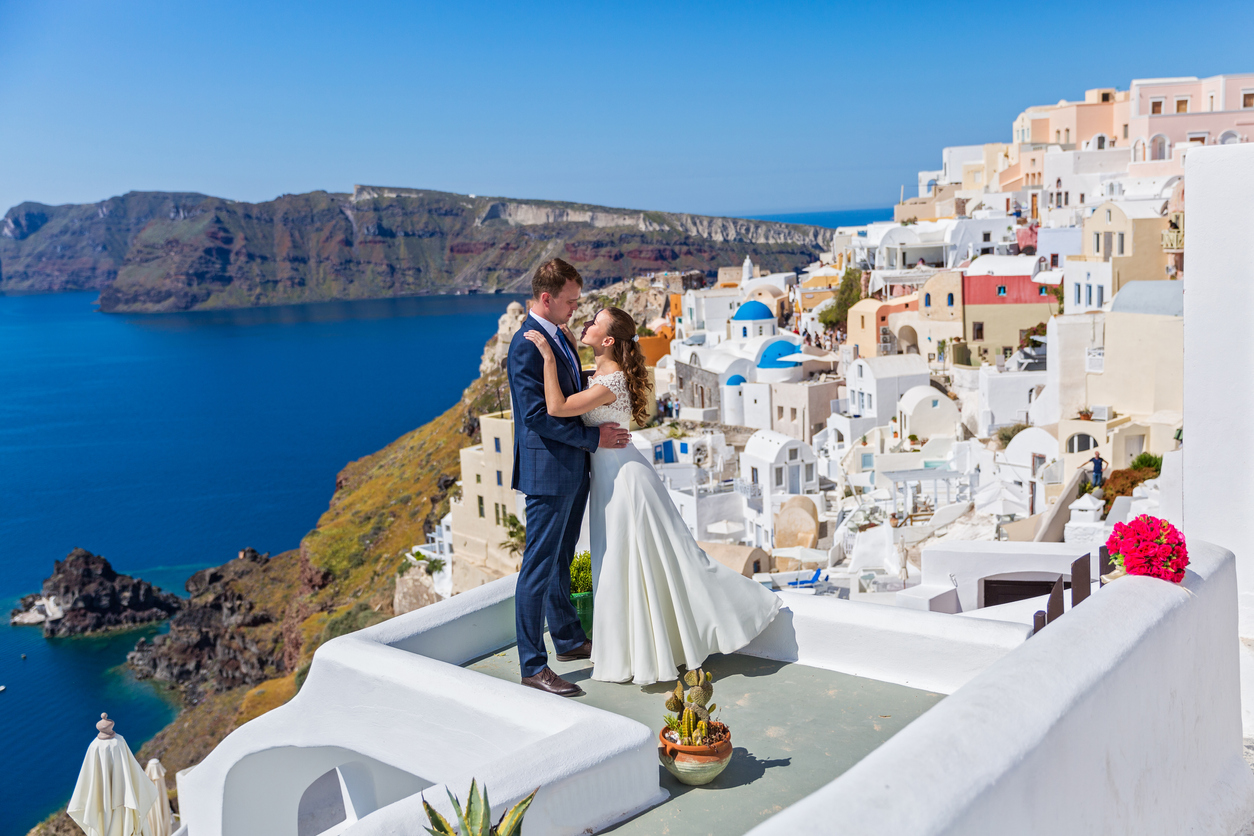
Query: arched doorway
908,340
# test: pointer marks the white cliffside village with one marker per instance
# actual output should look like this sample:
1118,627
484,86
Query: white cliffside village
921,441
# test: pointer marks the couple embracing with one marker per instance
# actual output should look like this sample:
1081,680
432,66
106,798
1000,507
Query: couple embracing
659,601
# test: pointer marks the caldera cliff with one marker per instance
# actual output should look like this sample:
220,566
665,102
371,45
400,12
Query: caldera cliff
168,251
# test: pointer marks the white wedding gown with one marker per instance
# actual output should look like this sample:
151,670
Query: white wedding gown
659,601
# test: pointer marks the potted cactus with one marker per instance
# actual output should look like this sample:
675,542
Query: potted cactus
693,747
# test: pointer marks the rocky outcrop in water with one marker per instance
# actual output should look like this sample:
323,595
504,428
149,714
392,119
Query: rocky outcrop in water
228,634
85,595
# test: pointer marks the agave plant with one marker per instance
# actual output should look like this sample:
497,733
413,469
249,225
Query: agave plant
477,818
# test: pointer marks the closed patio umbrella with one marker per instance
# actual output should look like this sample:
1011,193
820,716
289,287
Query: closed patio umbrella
160,817
113,794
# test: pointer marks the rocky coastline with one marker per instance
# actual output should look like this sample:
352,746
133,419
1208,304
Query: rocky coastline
173,251
86,595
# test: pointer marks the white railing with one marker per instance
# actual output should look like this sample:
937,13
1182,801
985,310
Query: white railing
1095,360
749,490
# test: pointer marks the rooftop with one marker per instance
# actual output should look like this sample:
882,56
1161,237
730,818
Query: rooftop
794,729
1161,298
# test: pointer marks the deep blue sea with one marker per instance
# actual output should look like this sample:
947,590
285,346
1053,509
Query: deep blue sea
831,218
167,443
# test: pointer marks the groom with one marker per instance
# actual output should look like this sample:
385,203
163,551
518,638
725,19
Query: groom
551,466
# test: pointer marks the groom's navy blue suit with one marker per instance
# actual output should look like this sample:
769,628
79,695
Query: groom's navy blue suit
551,466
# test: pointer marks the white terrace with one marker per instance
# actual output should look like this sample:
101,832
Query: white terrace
1123,715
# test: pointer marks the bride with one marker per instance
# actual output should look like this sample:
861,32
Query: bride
660,602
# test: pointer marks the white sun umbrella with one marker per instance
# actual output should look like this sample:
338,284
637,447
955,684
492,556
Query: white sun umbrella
725,527
160,817
113,794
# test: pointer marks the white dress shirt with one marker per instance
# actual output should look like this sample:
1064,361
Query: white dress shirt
554,332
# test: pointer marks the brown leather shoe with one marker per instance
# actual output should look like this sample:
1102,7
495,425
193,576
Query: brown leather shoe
583,651
551,683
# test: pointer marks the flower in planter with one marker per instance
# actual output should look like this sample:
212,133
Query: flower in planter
1149,546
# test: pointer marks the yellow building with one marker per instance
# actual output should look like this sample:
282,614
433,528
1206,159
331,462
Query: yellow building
1129,235
480,515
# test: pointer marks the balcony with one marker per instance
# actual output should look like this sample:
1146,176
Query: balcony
1095,360
749,490
1173,240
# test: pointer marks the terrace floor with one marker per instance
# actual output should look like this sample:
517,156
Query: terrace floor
794,729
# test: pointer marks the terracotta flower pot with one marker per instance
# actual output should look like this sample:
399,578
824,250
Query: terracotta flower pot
694,765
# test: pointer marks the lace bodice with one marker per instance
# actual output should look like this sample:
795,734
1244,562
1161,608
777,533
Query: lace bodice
619,410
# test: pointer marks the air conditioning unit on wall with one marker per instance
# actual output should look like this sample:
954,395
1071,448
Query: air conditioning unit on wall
1103,413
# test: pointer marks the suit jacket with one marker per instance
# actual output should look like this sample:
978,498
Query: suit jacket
550,454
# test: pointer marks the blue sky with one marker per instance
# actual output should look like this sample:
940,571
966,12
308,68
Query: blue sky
720,108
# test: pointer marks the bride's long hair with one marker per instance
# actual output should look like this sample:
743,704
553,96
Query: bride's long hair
625,351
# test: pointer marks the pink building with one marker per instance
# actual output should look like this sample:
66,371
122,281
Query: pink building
1166,113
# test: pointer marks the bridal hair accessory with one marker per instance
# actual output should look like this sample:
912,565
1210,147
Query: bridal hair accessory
636,338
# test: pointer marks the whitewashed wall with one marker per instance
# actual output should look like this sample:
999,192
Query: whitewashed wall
1122,717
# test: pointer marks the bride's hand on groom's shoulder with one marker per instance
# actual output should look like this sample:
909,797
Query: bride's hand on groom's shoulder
546,350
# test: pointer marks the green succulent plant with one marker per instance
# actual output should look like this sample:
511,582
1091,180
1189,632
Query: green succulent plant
691,708
476,820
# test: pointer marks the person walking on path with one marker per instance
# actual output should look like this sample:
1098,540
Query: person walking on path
552,466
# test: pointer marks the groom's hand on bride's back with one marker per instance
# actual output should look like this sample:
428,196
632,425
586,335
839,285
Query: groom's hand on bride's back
612,435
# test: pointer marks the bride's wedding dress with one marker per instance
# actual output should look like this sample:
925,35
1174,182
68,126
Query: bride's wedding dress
659,600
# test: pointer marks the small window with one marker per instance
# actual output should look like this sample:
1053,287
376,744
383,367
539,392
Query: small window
1081,198
927,300
481,508
1066,133
1125,131
859,371
1088,295
988,236
478,478
779,413
498,477
869,404
935,403
1105,97
951,300
977,330
496,511
1053,259
1080,442
1247,100
1119,247
1182,105
497,443
1066,198
1101,293
792,416
779,476
1001,290
809,473
1057,136
868,461
683,447
1107,216
1156,106
1097,243
744,331
792,451
753,475
1077,293
1044,291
